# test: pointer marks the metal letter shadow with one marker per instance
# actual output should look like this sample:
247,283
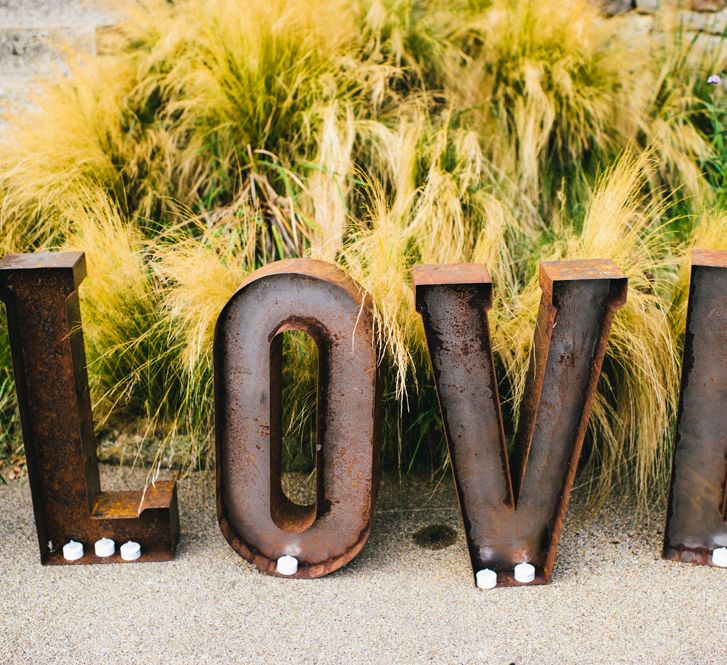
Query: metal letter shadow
255,516
517,520
40,292
697,514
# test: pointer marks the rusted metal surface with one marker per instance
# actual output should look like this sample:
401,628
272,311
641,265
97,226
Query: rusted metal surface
40,292
697,513
511,520
255,516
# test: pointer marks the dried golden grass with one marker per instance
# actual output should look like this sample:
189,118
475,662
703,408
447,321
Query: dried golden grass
211,137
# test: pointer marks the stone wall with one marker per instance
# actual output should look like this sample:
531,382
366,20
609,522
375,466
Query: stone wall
31,34
616,7
705,22
704,19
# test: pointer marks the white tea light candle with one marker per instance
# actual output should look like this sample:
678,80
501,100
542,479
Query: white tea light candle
486,579
287,565
130,551
104,547
719,557
72,550
524,573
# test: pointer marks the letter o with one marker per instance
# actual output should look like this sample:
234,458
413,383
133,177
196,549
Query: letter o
256,518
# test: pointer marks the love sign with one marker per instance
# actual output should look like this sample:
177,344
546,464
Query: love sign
513,505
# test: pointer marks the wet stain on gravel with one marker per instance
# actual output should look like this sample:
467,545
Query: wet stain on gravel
435,536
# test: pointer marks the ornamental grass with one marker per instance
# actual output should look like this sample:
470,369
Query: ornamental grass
210,137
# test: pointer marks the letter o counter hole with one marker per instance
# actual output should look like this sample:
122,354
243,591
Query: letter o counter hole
298,453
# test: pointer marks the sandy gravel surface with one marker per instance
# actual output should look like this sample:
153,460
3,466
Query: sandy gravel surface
612,601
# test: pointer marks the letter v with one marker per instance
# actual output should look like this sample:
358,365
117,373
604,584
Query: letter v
508,520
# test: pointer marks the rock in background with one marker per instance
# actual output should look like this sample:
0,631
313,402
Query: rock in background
616,7
709,16
707,5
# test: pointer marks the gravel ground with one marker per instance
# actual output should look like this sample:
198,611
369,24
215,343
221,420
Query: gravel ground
612,599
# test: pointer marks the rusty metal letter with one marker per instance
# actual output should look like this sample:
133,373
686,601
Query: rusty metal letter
40,292
509,520
256,518
697,514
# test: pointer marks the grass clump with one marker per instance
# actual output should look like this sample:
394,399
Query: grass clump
211,137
